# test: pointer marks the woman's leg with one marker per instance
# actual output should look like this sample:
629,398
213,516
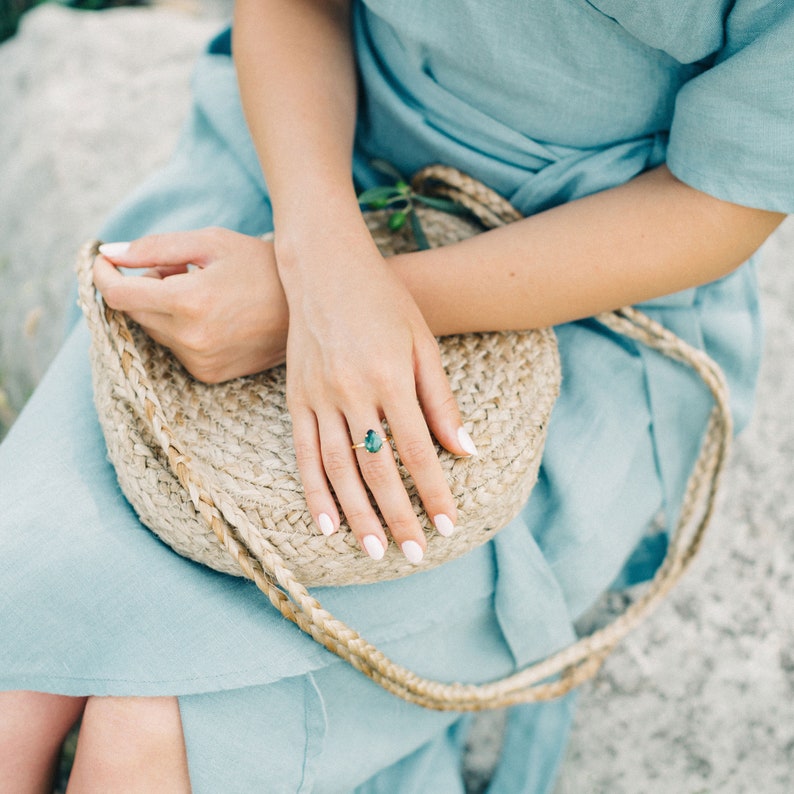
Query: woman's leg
205,183
32,729
130,744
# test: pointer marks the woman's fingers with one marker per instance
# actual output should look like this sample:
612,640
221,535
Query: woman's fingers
439,404
351,370
331,460
315,484
418,454
357,462
165,250
128,294
163,256
375,458
327,460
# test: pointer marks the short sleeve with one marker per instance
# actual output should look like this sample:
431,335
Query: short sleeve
732,134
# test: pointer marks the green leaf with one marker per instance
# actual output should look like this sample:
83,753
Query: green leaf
397,219
446,205
379,194
419,232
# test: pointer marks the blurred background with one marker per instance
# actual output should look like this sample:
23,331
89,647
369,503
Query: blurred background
699,699
11,11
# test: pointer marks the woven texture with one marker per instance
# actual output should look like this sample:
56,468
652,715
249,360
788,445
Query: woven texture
211,468
239,438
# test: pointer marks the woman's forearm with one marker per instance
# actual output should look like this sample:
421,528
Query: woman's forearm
650,237
297,79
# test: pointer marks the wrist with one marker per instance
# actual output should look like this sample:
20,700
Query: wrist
309,200
323,231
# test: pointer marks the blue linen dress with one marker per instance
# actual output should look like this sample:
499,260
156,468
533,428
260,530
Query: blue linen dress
546,101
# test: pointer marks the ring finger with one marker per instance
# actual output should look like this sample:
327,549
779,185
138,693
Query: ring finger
379,469
342,472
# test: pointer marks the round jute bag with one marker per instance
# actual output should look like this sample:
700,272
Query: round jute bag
211,468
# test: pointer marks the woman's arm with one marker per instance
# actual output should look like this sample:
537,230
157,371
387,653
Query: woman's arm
650,237
297,77
358,345
358,348
611,249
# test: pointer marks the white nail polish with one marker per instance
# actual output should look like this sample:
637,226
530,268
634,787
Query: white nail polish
114,249
412,551
464,439
444,525
373,547
326,524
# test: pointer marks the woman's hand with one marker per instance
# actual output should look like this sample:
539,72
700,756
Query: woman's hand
358,352
359,349
224,318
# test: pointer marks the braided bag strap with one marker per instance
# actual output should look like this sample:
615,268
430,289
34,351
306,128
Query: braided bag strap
118,358
486,205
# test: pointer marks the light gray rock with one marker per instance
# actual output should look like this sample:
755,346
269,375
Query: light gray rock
701,698
90,103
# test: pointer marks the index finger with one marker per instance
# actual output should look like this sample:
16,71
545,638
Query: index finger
128,293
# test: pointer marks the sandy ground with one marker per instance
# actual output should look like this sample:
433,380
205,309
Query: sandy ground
701,698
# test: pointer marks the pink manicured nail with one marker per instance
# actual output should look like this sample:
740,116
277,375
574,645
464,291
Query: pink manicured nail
326,524
412,551
444,525
373,547
464,439
113,249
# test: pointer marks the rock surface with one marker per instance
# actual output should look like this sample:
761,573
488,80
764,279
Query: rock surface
699,699
90,103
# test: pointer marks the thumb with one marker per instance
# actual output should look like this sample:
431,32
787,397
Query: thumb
174,249
441,408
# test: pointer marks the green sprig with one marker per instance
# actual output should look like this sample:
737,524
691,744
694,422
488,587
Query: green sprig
402,199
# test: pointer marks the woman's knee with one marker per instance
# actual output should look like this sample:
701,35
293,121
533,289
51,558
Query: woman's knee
136,739
37,717
136,720
33,726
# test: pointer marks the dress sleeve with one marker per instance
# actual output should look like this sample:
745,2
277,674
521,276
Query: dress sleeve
732,134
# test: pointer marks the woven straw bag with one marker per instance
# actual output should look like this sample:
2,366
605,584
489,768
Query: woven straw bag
211,468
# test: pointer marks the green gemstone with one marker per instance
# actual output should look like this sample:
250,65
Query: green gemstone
372,441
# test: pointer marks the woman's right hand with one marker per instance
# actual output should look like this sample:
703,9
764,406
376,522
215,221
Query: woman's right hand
224,318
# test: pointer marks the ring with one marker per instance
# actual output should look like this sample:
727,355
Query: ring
372,442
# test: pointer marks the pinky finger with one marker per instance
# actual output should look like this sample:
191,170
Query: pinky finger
315,484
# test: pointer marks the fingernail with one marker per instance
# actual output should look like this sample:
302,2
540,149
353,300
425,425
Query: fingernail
114,249
464,439
373,547
326,524
444,525
413,551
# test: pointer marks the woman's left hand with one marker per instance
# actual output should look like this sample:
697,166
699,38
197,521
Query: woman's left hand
224,318
360,352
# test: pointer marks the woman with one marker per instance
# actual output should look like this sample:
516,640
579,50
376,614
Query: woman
652,154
